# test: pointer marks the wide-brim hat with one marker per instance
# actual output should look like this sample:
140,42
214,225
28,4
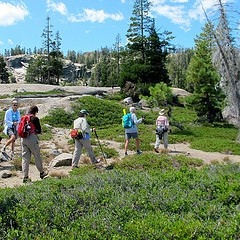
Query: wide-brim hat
162,112
84,111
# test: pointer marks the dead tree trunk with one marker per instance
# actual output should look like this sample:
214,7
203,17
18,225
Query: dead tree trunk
225,59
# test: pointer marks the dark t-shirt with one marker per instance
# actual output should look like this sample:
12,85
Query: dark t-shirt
36,122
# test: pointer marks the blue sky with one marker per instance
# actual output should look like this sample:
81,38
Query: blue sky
88,25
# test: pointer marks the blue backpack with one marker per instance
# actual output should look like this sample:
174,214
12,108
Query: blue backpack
127,121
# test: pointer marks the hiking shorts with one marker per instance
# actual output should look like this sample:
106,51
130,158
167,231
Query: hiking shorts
131,135
12,131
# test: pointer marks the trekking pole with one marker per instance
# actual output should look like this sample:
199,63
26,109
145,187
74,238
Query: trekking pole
174,143
101,147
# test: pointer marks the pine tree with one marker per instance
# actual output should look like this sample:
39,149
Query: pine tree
157,55
47,45
145,63
4,75
139,28
177,64
207,99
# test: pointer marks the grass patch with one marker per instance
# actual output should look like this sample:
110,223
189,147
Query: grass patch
46,133
148,161
51,92
4,96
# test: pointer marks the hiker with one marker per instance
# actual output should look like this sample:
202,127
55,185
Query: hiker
11,122
81,124
30,146
132,132
162,125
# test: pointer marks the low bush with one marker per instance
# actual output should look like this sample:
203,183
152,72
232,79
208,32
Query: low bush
161,202
140,197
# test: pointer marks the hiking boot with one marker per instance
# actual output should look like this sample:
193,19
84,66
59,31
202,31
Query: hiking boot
156,150
97,160
3,149
12,155
74,166
139,152
126,154
43,175
26,180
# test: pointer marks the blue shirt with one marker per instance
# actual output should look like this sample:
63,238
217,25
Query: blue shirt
10,117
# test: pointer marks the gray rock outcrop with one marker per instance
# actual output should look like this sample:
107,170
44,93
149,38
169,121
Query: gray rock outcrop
72,72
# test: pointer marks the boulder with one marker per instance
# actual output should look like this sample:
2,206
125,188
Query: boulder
128,100
178,92
64,159
6,174
21,90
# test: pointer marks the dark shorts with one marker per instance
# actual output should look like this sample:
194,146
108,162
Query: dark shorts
131,135
12,131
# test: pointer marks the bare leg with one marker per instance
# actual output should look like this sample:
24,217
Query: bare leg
11,140
138,144
126,144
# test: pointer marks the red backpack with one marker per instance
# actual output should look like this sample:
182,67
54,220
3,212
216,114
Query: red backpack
76,133
25,126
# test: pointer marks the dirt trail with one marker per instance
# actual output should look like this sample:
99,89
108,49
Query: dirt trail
207,157
61,145
61,136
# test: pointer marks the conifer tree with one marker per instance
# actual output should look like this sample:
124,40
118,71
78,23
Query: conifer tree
4,75
146,53
177,64
226,58
156,53
47,68
139,28
207,99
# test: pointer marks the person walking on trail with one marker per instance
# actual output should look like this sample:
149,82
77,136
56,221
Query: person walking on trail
162,125
133,131
11,122
82,124
30,146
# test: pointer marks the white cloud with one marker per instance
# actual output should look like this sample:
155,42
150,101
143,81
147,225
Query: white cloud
184,12
123,1
57,7
10,14
10,41
209,6
156,2
179,1
176,14
92,15
197,13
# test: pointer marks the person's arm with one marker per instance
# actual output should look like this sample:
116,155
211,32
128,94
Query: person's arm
8,118
37,125
19,116
135,120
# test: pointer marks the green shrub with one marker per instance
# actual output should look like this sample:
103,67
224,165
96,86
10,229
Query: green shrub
58,117
161,202
148,196
102,113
